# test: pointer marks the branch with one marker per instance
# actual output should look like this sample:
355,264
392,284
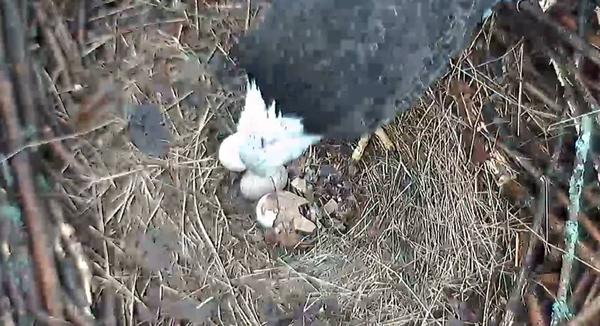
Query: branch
572,39
560,309
34,216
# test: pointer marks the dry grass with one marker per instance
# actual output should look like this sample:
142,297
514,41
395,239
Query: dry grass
432,230
432,240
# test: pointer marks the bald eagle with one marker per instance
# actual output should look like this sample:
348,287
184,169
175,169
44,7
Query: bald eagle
341,69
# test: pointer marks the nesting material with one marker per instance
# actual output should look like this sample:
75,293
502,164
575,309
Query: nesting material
281,210
331,206
300,185
254,187
304,225
229,153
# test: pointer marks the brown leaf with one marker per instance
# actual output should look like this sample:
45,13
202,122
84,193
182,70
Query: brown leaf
475,145
516,193
536,312
549,281
284,237
97,108
287,238
462,93
523,239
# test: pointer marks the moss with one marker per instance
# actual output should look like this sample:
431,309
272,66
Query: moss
13,213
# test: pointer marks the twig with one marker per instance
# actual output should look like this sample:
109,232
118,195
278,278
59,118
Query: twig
575,72
107,307
592,293
572,39
560,309
584,219
583,286
562,75
589,314
64,153
34,215
536,315
534,90
586,255
63,36
539,217
581,28
590,227
248,14
15,50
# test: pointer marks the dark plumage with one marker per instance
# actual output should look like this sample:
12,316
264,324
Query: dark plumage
348,66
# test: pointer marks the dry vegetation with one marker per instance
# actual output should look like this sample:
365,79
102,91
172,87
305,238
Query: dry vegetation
434,233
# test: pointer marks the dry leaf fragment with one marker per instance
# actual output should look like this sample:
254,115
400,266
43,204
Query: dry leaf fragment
98,107
550,281
284,238
304,225
331,206
300,185
474,144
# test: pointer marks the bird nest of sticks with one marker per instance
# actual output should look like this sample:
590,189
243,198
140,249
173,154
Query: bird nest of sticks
114,208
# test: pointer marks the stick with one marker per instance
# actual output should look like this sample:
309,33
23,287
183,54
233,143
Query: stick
560,309
34,215
572,39
539,217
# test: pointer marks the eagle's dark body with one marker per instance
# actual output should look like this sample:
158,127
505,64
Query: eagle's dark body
348,66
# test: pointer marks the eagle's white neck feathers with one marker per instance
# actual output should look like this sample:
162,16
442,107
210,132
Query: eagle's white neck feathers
257,118
271,139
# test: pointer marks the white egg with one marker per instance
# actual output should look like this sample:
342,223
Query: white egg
253,186
267,210
229,153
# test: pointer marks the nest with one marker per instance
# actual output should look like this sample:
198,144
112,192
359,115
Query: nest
114,209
